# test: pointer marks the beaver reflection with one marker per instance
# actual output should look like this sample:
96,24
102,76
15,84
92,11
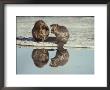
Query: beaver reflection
40,57
60,59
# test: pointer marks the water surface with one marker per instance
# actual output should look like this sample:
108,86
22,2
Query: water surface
81,61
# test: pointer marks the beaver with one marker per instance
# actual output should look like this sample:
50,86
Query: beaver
61,33
60,59
40,31
40,57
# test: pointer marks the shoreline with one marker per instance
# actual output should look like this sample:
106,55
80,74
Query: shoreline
46,45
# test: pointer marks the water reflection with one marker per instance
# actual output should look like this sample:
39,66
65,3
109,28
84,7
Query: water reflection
60,59
41,57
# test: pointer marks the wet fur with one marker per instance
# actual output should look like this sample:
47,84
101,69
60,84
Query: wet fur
61,33
40,31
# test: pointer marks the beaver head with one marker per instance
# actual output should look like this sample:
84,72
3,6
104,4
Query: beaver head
54,28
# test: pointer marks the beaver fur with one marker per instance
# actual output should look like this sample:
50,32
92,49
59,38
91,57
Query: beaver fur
61,33
40,31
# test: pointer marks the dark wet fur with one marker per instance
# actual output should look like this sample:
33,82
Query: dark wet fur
61,33
40,31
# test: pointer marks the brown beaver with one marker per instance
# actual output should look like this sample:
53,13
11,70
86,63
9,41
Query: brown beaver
61,33
40,31
40,57
60,59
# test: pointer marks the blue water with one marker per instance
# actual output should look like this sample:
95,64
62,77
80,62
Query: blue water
81,61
